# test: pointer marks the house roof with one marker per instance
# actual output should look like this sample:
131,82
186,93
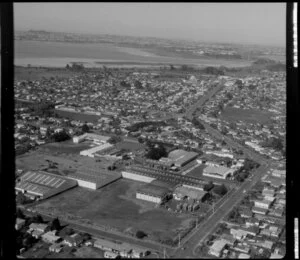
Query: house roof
218,245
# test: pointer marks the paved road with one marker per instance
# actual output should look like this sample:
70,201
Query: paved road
250,153
202,100
210,224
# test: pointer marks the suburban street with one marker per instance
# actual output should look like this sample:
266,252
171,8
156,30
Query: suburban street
210,224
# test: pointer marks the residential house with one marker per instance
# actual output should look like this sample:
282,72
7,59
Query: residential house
50,237
73,240
19,223
56,247
217,247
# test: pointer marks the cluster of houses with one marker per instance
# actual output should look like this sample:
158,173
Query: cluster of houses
57,243
262,231
270,86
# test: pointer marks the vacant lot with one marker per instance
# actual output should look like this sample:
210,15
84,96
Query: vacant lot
66,147
78,116
61,158
23,73
89,252
132,146
247,115
116,206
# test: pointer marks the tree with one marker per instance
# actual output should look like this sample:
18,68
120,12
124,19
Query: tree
19,213
140,234
220,190
21,198
86,236
155,153
208,186
85,128
37,219
55,224
60,136
115,139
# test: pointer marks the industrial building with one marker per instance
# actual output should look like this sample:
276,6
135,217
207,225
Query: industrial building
137,177
182,192
182,157
152,193
43,185
91,136
220,172
94,179
93,151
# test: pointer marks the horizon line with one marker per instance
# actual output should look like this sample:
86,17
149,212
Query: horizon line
156,37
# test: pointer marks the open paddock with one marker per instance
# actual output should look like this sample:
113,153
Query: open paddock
232,114
115,206
78,116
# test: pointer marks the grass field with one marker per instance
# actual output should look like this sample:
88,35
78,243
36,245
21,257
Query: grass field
247,115
23,73
89,252
66,157
66,147
116,206
78,116
130,145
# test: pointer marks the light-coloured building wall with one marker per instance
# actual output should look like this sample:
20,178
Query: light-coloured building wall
148,197
137,177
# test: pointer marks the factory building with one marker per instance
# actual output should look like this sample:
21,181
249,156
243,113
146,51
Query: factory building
93,151
94,179
91,136
182,157
182,192
43,185
220,172
152,193
137,177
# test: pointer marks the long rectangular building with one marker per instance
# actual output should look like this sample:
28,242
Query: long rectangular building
182,157
94,179
152,193
43,184
220,172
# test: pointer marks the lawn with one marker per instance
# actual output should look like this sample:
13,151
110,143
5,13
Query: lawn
132,146
232,114
88,252
65,157
22,73
66,147
78,116
116,206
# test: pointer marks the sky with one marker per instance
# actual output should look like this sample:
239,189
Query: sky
254,23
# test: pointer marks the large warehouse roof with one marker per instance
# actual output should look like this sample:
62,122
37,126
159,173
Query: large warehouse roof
220,170
43,183
100,177
181,156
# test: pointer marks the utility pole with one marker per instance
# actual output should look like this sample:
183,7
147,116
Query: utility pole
164,253
179,240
